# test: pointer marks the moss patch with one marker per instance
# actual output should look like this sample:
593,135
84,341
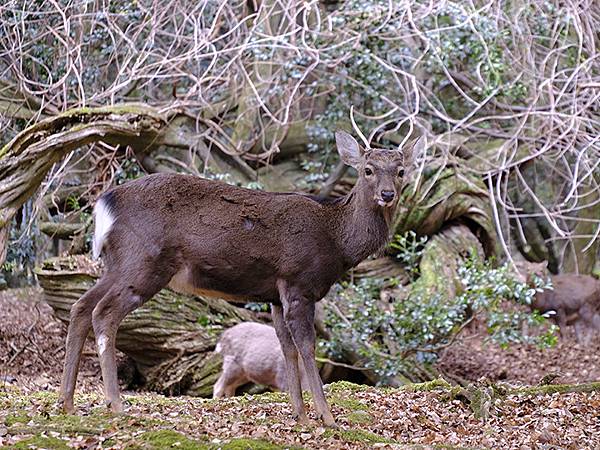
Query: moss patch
13,419
170,439
358,435
250,444
267,397
556,389
41,442
427,386
144,399
346,386
359,417
44,397
67,424
348,403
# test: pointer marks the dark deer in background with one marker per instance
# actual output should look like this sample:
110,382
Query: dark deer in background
213,239
574,299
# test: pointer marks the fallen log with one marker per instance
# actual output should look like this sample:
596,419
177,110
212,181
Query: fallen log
61,230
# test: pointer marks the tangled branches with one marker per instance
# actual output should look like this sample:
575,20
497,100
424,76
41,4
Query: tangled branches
508,92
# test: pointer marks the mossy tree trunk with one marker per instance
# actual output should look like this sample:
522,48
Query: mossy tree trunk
25,161
581,254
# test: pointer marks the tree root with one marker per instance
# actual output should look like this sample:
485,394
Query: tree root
482,396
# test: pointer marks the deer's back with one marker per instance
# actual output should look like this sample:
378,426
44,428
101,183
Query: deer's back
224,240
255,349
254,346
570,292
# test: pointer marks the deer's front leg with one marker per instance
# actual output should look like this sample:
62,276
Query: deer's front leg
290,354
299,318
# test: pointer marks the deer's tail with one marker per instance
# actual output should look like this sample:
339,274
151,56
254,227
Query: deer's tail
103,219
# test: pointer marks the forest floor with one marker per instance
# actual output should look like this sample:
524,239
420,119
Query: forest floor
432,415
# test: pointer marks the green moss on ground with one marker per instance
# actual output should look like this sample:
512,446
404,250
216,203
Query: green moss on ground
348,403
41,442
154,400
89,425
359,418
158,440
169,439
556,389
340,395
13,419
358,435
162,439
250,444
267,397
156,422
438,383
346,386
46,419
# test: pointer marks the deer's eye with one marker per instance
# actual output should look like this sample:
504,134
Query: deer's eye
368,171
400,173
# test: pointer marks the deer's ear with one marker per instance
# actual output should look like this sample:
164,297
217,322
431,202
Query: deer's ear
348,149
412,150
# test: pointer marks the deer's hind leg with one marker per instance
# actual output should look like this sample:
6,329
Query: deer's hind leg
127,294
80,323
232,376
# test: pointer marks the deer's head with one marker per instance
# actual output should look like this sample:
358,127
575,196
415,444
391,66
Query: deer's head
528,271
381,173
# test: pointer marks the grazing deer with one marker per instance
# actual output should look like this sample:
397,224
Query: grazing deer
213,239
575,299
252,353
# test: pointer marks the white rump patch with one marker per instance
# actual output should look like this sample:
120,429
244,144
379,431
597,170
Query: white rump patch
102,342
219,348
103,220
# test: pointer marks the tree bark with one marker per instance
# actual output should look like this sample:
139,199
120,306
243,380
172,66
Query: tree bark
61,230
26,159
447,196
581,255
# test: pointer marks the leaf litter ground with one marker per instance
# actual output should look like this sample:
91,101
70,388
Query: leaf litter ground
31,340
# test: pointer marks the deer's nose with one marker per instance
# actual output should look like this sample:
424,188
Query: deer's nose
387,196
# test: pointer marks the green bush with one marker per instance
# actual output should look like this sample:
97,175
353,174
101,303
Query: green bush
391,338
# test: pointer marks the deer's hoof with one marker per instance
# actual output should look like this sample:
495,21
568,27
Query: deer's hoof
116,407
329,422
302,420
66,407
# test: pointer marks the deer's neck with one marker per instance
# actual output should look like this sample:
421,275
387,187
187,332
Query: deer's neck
364,228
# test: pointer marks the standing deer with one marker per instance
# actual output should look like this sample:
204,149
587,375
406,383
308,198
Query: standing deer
213,239
574,299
